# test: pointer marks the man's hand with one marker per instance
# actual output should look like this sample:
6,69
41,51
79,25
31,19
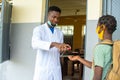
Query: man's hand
64,47
61,46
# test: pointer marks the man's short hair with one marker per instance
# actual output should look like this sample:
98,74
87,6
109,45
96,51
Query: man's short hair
54,8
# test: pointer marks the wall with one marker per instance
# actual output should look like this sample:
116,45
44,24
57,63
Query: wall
21,64
28,11
25,16
93,13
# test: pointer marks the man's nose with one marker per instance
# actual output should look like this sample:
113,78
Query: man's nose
56,19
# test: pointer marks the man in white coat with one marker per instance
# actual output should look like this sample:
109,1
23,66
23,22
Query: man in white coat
48,41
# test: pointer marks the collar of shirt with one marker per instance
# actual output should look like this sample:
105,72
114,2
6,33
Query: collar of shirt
51,28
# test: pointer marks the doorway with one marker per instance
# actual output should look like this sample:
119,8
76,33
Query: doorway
72,23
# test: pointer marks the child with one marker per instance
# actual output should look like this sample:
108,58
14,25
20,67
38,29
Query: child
102,55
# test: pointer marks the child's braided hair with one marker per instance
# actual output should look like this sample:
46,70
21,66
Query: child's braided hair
109,21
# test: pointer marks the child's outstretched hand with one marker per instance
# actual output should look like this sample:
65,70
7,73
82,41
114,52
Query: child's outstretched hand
74,58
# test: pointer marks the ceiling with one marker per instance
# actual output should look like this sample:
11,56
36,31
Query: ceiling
70,7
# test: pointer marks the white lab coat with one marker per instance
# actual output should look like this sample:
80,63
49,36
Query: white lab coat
47,65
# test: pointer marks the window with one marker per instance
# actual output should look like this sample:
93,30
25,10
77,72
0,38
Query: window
84,30
66,29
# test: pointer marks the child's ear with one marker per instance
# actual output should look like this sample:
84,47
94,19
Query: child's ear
103,27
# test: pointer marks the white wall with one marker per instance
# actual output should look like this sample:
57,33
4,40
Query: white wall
26,11
94,11
21,64
25,16
91,40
